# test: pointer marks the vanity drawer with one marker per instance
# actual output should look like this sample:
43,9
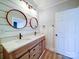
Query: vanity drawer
26,56
35,52
35,55
34,49
34,43
20,51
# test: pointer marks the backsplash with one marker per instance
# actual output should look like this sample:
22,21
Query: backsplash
6,31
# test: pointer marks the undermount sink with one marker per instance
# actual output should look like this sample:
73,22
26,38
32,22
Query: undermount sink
17,43
22,40
14,44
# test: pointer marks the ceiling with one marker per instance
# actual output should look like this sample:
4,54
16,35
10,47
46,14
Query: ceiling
43,4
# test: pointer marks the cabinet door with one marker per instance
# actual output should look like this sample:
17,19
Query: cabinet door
1,52
35,52
43,45
65,32
1,55
26,56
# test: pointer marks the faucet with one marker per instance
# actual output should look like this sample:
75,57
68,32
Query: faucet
20,36
35,33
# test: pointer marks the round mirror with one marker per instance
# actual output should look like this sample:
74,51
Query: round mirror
16,19
33,23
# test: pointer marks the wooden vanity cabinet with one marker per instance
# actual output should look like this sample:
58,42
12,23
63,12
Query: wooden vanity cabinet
35,52
1,52
17,54
32,50
26,56
43,45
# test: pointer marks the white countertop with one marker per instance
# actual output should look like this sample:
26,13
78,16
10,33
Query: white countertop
15,44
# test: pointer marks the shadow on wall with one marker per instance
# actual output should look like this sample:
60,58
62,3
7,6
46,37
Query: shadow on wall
65,57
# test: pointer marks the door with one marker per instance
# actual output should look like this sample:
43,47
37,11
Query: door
65,32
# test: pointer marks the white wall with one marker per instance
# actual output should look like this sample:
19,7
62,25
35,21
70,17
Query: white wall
46,18
6,31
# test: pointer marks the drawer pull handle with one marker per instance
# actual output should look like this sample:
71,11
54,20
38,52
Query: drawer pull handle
34,55
33,49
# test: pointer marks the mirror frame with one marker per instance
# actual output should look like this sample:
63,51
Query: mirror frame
31,23
16,11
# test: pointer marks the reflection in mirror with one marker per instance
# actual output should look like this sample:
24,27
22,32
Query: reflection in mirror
16,18
18,23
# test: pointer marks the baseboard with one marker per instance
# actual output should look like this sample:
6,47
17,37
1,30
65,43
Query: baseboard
51,50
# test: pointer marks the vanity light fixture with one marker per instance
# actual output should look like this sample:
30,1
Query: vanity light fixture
29,6
24,1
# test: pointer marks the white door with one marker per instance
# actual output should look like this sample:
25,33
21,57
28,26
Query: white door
65,32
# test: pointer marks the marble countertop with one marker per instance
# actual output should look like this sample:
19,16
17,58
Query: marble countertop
15,44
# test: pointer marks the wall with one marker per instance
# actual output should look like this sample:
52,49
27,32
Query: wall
6,31
47,18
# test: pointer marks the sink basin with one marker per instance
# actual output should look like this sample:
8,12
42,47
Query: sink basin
22,41
15,44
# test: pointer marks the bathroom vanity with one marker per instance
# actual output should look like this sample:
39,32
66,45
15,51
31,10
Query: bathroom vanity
1,52
25,48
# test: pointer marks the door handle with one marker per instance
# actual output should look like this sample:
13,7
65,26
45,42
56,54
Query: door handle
56,34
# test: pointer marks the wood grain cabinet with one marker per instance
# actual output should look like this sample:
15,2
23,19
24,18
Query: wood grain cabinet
35,52
1,52
26,56
1,55
32,50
